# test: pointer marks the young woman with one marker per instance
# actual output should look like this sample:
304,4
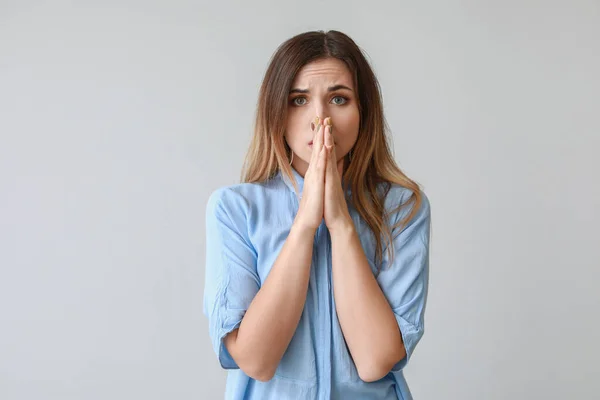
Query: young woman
317,263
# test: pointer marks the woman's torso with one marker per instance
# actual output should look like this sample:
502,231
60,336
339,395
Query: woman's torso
317,363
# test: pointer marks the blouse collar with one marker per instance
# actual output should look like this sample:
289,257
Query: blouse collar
299,181
296,175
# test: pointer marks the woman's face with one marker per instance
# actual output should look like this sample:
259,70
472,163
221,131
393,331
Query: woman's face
322,88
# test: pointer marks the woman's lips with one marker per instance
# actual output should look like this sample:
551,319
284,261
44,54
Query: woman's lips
311,143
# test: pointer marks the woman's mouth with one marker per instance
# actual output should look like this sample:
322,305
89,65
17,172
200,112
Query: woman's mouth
311,143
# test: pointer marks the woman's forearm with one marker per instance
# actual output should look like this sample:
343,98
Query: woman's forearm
271,319
366,318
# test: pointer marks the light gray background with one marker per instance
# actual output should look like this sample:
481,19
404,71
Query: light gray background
118,118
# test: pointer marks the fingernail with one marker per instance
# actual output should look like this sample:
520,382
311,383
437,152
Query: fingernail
317,120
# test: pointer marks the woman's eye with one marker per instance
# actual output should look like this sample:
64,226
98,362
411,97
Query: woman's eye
339,103
337,100
295,101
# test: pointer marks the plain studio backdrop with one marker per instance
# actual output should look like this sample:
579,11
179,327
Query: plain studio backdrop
119,118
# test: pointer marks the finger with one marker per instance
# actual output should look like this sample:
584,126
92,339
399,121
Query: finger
331,146
330,167
328,136
339,166
313,124
321,164
315,148
328,145
318,141
334,168
315,152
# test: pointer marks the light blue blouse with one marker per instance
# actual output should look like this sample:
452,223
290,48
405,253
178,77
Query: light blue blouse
246,227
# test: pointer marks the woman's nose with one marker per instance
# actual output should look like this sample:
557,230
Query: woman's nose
321,111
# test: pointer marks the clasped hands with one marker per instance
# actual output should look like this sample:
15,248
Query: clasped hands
323,195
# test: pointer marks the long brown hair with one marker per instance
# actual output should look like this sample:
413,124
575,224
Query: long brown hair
372,161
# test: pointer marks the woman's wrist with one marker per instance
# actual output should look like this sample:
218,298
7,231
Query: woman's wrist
344,227
302,228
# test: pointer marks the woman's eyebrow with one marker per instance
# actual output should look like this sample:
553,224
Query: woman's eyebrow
329,89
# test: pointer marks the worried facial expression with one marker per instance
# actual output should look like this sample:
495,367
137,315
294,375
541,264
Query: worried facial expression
322,88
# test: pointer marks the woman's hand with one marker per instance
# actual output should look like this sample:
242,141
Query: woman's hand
311,209
335,209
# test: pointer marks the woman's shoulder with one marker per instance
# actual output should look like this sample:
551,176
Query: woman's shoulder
242,195
397,194
404,197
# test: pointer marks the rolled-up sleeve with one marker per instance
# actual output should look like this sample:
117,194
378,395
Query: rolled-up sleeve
231,280
404,280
